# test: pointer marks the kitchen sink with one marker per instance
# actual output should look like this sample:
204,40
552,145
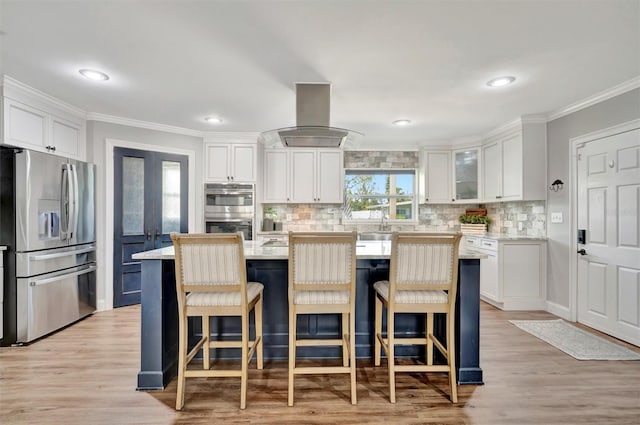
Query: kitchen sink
375,236
275,242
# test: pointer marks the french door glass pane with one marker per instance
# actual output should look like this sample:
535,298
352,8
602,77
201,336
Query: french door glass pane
170,196
132,196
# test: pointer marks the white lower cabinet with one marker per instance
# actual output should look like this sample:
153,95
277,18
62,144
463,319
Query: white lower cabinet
513,276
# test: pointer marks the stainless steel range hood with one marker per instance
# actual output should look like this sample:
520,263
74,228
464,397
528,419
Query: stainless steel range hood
312,128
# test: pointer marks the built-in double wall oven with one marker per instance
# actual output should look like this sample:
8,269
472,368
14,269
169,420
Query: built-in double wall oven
229,208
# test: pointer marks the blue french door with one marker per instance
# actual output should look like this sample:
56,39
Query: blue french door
150,201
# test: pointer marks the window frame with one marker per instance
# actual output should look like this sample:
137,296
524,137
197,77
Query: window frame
413,195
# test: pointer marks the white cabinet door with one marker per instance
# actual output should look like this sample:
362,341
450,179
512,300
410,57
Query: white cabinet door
243,166
330,179
303,173
466,175
276,176
24,126
438,177
492,171
217,157
489,281
66,136
512,167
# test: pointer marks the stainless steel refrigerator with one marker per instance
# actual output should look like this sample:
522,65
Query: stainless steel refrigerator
47,220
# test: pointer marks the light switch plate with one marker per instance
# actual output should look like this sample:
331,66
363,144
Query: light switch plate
556,217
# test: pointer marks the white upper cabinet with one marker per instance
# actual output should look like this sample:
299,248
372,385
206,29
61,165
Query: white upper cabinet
514,164
33,120
303,176
276,176
435,177
329,176
230,162
466,175
66,136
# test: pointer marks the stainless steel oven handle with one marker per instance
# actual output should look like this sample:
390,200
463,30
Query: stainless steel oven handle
61,277
224,192
224,220
61,254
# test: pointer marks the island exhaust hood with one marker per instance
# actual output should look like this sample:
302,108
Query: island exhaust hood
312,128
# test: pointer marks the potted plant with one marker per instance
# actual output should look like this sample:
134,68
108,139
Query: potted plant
474,224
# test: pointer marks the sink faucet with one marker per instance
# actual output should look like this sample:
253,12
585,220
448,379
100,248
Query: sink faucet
384,222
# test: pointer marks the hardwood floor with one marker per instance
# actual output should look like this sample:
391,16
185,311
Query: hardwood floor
86,374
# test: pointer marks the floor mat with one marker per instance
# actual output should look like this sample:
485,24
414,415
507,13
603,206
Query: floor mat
574,341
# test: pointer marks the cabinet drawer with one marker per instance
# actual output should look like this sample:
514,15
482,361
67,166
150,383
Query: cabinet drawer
489,244
471,242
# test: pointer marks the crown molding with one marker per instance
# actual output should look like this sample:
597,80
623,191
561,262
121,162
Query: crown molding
629,85
9,82
253,135
534,119
95,116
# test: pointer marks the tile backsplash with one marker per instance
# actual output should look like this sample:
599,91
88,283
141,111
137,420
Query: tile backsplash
522,218
381,159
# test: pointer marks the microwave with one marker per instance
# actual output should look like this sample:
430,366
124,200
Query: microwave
232,200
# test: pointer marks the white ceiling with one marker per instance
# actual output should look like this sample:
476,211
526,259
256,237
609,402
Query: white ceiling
175,62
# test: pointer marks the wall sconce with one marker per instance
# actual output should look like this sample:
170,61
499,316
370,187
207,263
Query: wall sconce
556,185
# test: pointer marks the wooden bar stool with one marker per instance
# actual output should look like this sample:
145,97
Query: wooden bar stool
423,277
211,280
322,275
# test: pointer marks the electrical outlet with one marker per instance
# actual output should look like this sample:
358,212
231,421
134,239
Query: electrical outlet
556,217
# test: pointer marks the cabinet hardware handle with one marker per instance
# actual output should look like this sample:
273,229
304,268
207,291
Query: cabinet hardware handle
157,234
231,177
453,200
426,199
53,148
148,234
498,197
582,252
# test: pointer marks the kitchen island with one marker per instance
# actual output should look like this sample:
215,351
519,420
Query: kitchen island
269,265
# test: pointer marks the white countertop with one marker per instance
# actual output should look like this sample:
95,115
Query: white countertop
506,237
254,251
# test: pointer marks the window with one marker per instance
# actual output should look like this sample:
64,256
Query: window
374,194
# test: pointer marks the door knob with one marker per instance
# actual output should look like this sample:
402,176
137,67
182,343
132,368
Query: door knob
582,252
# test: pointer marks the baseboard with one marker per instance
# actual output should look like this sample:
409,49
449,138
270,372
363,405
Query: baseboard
559,310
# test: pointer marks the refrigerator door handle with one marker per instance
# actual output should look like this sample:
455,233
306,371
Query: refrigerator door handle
73,220
62,254
37,282
64,202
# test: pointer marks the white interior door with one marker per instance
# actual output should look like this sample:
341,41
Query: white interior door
608,210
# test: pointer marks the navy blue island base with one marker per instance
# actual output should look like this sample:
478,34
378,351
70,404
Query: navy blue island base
159,339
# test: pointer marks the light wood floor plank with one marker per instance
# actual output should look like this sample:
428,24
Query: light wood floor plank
86,374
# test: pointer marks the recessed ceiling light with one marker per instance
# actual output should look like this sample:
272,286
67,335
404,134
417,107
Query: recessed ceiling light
92,74
213,120
402,122
501,81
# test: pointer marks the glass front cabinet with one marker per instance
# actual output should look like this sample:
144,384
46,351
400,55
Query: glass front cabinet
466,173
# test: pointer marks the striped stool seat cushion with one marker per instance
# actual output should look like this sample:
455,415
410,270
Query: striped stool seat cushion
321,297
209,299
412,297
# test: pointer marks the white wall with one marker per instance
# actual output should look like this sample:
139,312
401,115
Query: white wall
101,137
617,110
